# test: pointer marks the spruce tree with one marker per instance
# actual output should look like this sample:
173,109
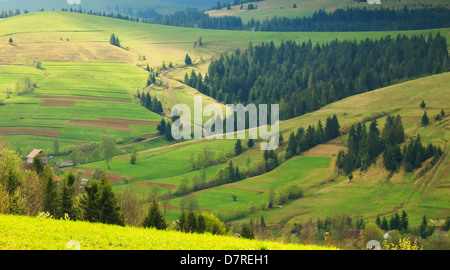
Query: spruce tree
66,201
238,147
110,212
187,60
155,217
425,120
50,196
404,221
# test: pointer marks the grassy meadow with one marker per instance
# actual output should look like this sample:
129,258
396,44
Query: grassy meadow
36,233
85,89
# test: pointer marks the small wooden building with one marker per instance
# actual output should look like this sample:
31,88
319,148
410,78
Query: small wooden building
41,154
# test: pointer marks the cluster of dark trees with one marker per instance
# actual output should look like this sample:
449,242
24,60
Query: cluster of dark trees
414,154
350,19
10,13
229,175
304,140
165,128
114,40
198,19
116,15
97,203
357,19
365,146
395,223
228,5
302,78
151,104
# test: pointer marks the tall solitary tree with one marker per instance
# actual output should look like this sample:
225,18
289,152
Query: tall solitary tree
187,60
108,149
238,147
155,217
110,212
425,120
66,199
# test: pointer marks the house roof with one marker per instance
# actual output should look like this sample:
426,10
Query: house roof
34,153
56,178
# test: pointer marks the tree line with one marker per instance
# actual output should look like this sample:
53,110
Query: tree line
358,19
35,192
303,77
340,20
364,146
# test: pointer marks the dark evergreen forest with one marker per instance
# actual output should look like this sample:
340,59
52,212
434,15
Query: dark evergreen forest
304,77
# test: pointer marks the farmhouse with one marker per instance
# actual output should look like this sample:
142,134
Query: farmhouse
41,154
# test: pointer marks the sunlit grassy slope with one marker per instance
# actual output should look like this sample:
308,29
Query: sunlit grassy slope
285,8
34,233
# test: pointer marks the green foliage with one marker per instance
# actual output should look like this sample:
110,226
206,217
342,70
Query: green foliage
114,40
425,120
282,74
238,148
108,148
99,204
188,60
155,217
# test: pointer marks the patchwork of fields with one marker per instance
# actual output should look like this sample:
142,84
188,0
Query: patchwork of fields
86,88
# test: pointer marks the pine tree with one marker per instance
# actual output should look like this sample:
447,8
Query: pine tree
168,132
66,200
425,120
50,196
384,225
89,204
250,143
161,127
238,148
423,104
155,217
404,221
37,165
423,227
187,60
191,222
110,212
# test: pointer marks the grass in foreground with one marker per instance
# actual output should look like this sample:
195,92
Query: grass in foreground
35,233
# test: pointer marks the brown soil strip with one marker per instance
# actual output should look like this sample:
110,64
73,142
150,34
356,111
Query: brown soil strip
112,177
58,103
129,122
326,150
84,98
39,132
99,124
156,184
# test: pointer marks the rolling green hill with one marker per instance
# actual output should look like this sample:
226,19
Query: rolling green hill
285,8
26,233
85,88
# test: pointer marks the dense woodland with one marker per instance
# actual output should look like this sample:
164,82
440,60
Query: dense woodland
364,147
304,77
340,20
357,19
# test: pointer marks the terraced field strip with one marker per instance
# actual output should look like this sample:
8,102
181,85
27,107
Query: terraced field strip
38,132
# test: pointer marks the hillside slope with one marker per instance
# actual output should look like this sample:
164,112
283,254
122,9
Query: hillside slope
35,233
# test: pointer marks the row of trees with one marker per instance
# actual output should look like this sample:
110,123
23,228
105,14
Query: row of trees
350,19
151,104
114,40
303,77
35,192
357,19
365,146
304,140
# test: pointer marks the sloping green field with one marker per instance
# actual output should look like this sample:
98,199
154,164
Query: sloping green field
26,233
